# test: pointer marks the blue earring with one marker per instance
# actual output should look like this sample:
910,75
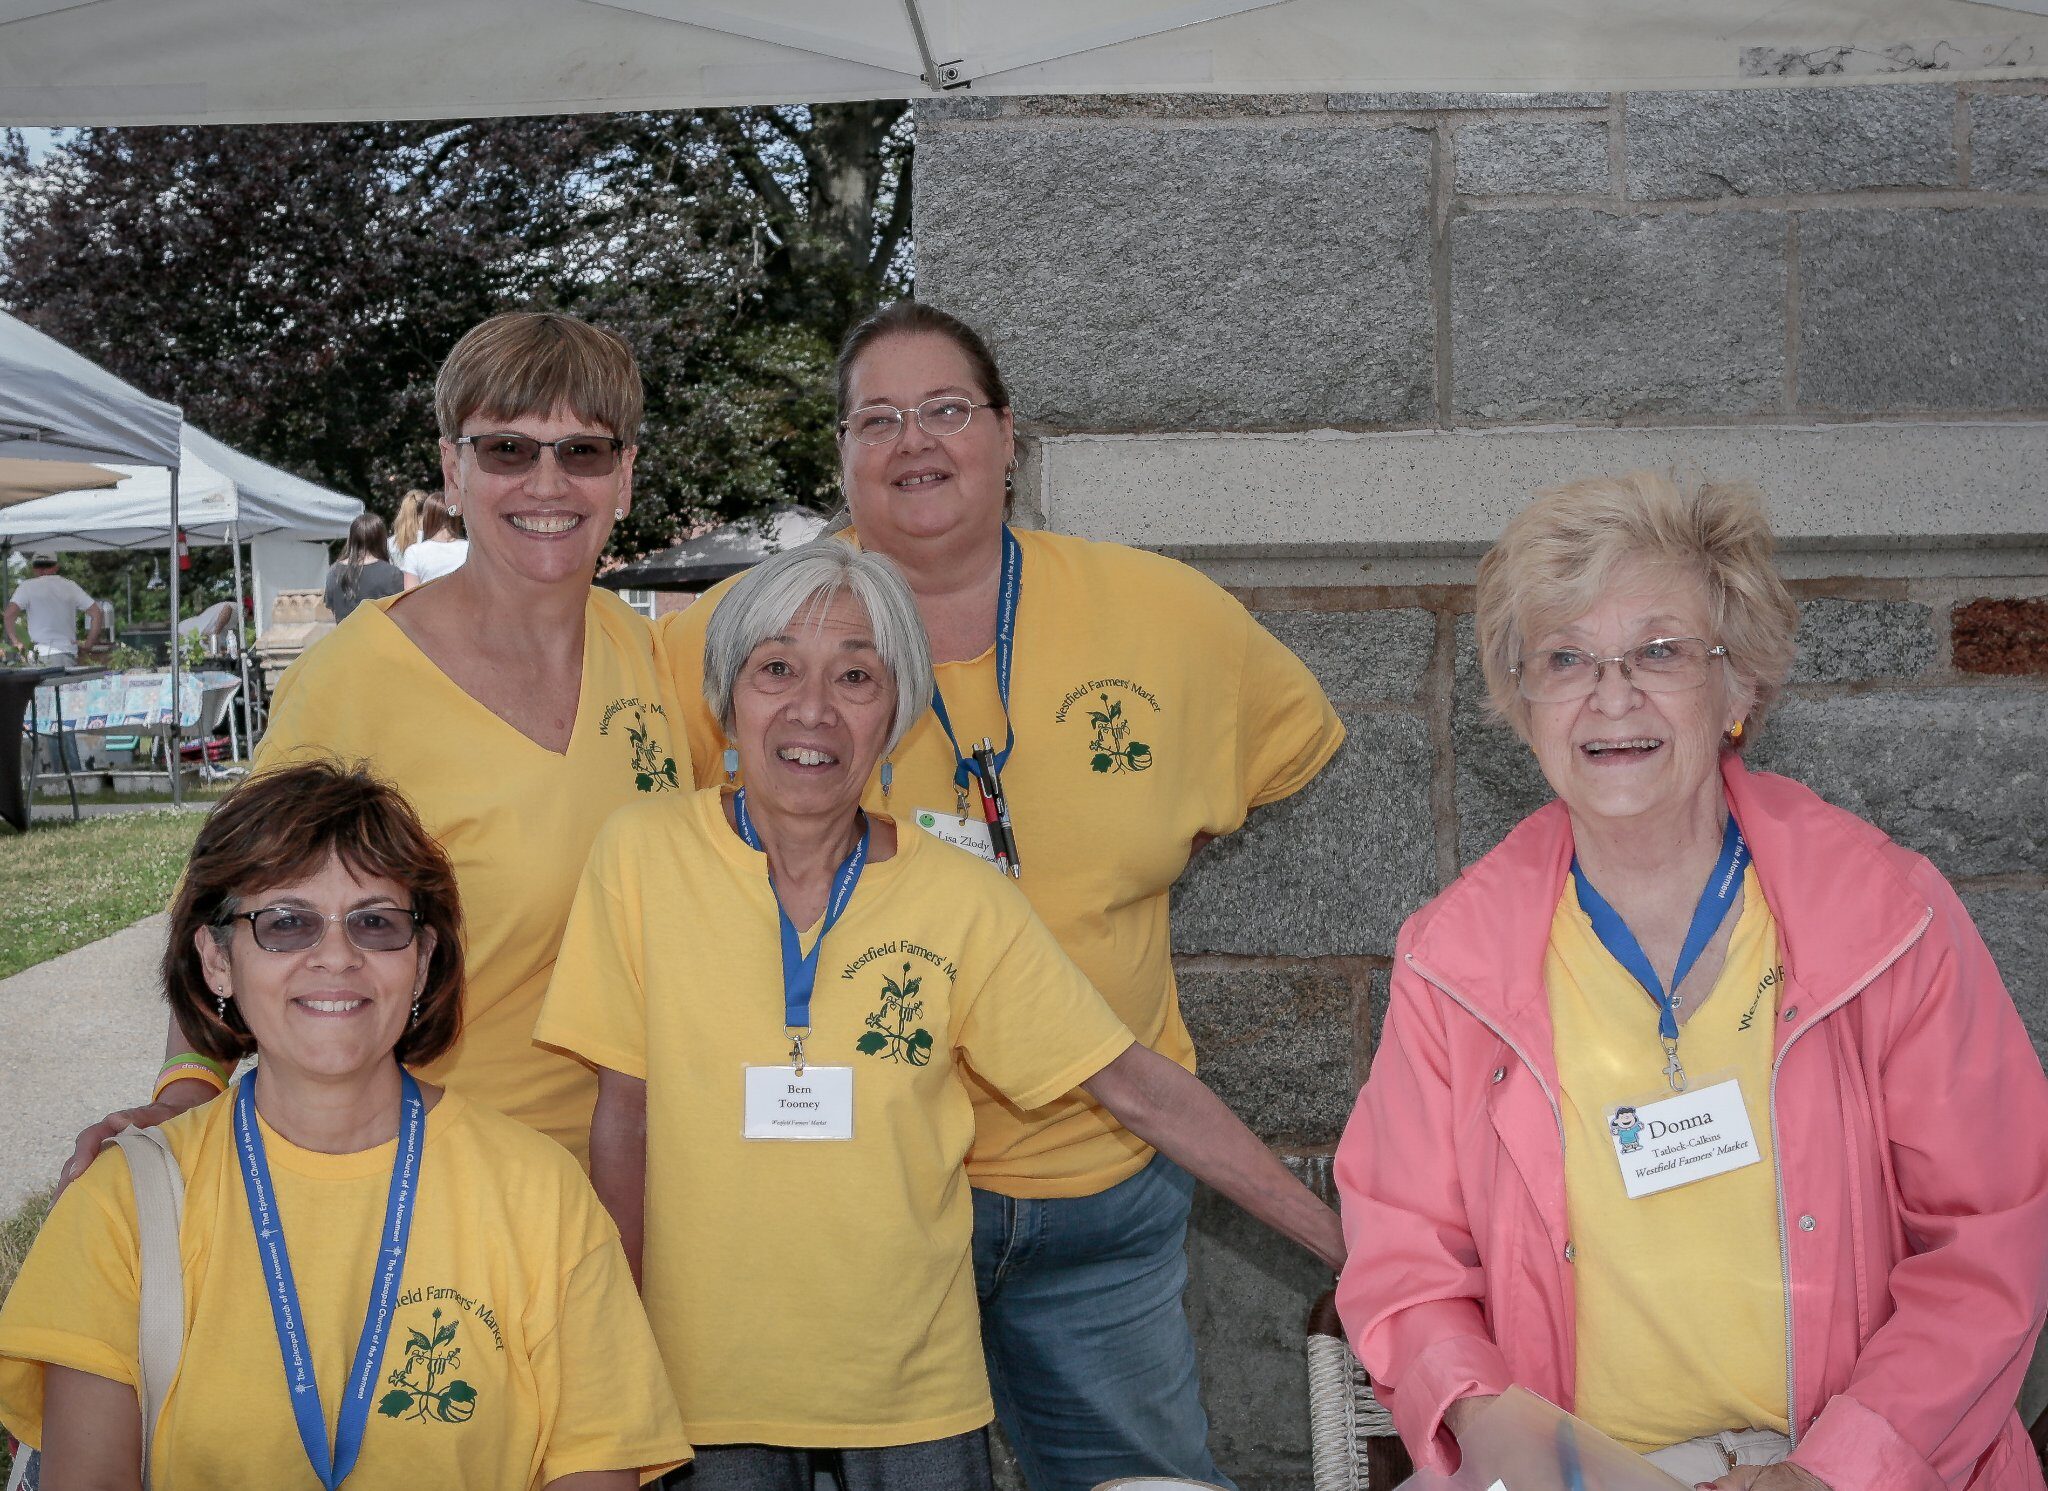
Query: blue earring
888,777
732,764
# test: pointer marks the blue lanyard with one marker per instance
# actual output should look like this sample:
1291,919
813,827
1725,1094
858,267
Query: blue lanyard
800,968
1715,899
332,1468
1006,642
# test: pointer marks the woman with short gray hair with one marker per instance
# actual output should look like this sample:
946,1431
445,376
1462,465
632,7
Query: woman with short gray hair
1664,1126
783,1122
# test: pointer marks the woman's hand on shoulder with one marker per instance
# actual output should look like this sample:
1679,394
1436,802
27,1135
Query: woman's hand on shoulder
176,1098
1784,1476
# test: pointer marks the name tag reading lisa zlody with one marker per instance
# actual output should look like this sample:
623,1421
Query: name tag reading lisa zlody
1678,1140
949,827
783,1103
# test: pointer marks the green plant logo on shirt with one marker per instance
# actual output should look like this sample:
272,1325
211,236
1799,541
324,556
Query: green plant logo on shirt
1110,747
1110,705
654,769
425,1387
889,1035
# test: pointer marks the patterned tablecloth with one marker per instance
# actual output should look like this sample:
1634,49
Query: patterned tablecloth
129,701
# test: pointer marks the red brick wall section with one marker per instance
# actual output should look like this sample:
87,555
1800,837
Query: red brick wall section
2001,636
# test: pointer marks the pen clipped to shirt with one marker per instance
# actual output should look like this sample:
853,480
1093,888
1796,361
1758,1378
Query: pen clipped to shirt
995,808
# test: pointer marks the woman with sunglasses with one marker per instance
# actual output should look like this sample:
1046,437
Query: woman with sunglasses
513,703
385,1284
1133,710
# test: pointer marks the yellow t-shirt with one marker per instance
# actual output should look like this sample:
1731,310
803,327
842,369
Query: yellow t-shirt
1681,1294
538,1361
1149,708
515,819
815,1292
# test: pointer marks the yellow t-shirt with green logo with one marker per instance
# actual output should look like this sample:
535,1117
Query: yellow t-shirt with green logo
518,1354
1681,1294
815,1292
515,819
1149,708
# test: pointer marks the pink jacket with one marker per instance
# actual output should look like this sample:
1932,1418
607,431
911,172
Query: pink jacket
1909,1115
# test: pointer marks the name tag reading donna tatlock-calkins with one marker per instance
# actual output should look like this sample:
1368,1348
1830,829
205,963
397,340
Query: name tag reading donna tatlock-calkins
783,1103
1678,1140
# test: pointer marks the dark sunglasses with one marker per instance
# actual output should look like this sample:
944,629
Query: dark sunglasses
515,455
294,929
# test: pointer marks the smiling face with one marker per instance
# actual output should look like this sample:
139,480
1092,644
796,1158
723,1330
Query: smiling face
922,487
1623,753
332,1011
542,525
811,711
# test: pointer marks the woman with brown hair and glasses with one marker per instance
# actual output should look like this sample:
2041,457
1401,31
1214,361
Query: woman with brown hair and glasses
383,1282
514,704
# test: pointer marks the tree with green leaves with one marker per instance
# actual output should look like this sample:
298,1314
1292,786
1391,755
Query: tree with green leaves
294,287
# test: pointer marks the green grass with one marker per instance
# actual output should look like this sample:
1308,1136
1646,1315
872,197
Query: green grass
16,1233
67,884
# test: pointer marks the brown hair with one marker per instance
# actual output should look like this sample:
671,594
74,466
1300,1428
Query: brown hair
436,518
1560,552
286,824
534,362
913,318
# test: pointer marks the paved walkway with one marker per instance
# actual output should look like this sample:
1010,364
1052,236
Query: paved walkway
84,1035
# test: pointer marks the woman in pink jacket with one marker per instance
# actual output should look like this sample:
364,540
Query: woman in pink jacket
1701,1110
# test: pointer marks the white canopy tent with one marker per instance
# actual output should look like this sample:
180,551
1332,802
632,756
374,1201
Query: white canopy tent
55,404
241,61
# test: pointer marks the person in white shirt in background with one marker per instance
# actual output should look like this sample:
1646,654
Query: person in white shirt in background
217,625
51,606
443,549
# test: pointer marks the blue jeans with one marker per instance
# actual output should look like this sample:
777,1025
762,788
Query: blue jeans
1089,1353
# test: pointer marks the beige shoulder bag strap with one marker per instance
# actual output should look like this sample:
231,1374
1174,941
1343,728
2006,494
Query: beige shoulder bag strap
159,1209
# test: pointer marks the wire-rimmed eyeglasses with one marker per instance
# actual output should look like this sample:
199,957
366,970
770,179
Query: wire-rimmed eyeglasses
294,929
880,424
1662,665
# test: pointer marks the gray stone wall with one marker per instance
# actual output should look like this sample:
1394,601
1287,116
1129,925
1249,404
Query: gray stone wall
1252,270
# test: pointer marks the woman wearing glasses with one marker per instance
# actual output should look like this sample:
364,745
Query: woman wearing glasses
384,1283
515,704
1679,1119
1132,711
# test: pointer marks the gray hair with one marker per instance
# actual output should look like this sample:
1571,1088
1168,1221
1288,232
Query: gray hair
769,595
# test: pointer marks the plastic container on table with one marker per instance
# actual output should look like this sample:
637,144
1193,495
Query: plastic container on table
1519,1442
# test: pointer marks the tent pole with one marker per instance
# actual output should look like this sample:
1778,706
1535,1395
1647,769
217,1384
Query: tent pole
177,784
242,645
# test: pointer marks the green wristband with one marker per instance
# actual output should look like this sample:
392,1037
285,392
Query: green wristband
193,1058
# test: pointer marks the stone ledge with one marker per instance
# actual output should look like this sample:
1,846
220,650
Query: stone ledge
1435,493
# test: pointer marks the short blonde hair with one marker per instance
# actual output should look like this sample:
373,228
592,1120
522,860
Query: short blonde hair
1560,552
526,363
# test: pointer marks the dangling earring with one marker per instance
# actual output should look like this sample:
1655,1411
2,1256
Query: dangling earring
415,1009
732,765
888,777
1009,481
220,1007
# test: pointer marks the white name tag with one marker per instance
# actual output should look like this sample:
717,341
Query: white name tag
970,834
1678,1140
782,1103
